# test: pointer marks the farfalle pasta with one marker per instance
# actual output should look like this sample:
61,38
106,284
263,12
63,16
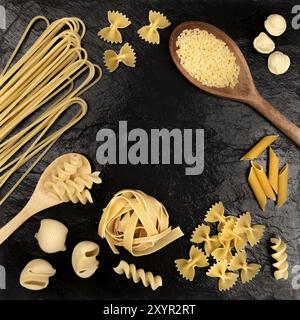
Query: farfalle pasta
224,252
137,222
137,275
217,214
35,275
150,33
186,267
253,233
126,56
202,235
238,241
117,21
70,183
248,270
84,258
226,279
52,236
280,256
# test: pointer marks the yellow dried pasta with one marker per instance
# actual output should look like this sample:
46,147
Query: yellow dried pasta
257,189
186,268
201,234
69,183
273,170
150,33
283,185
280,256
238,241
126,55
260,147
248,270
207,58
117,21
137,275
253,232
137,222
263,180
226,279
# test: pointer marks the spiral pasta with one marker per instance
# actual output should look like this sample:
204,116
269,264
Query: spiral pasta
137,275
38,90
137,222
70,183
280,256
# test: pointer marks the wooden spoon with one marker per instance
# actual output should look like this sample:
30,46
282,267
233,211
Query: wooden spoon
40,199
245,90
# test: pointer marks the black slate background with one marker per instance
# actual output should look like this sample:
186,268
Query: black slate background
155,95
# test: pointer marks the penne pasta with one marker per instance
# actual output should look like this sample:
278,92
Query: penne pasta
257,189
263,180
283,185
273,170
262,145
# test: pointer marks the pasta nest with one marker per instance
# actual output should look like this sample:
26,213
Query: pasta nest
70,183
137,222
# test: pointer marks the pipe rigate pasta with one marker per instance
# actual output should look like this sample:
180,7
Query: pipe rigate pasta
186,268
137,222
117,21
226,279
126,55
280,256
70,183
252,232
52,236
84,261
260,147
150,33
248,270
201,234
138,275
36,274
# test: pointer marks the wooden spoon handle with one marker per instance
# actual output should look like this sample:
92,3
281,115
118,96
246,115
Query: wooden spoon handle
8,229
278,119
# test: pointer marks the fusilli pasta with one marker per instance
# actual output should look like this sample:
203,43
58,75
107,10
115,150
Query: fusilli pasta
280,256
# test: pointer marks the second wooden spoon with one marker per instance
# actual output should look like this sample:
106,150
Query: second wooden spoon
245,90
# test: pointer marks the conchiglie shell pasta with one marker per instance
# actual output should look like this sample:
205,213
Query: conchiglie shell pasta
36,274
52,236
84,260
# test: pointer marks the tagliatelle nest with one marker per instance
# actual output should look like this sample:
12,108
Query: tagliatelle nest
137,222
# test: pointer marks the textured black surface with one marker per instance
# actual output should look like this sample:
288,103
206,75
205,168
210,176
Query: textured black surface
155,95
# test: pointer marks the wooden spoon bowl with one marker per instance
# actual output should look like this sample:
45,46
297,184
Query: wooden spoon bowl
40,199
245,90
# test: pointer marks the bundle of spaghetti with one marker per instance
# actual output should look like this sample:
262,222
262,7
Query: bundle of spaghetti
40,88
